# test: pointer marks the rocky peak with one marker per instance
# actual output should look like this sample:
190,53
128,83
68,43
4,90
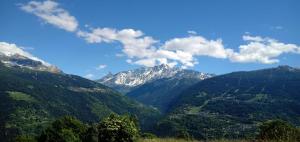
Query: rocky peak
143,75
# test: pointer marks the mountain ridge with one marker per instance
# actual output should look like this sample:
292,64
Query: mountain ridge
234,104
127,80
23,61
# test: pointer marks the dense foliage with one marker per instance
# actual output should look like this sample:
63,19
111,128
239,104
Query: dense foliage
113,128
30,100
118,129
66,129
278,130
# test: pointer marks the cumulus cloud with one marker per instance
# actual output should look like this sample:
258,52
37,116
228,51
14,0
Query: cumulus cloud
197,45
50,12
135,44
10,49
262,50
100,67
144,50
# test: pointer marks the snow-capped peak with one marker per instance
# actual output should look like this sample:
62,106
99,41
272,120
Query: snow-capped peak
142,75
12,55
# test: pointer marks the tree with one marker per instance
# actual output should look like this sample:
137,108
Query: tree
91,134
278,130
25,138
117,128
66,129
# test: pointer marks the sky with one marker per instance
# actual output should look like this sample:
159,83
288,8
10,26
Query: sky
93,37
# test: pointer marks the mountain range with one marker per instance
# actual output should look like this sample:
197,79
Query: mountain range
125,81
168,101
154,86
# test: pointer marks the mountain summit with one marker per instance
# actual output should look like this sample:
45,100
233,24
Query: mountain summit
126,80
13,56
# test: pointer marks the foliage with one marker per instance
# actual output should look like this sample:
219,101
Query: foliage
278,130
184,140
25,138
91,135
118,129
19,96
114,128
148,135
172,129
66,129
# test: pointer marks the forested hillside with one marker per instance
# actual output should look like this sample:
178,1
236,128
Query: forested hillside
32,99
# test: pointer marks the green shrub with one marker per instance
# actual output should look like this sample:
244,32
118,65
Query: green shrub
278,130
148,136
66,129
91,134
117,128
25,138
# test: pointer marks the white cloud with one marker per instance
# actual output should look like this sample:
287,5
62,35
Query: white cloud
192,32
10,49
89,76
252,38
135,44
100,67
148,62
144,50
198,46
51,13
262,50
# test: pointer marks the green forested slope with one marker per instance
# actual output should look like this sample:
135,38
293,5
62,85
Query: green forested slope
232,105
29,100
160,93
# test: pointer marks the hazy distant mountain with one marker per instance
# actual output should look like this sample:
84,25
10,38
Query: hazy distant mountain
127,80
233,104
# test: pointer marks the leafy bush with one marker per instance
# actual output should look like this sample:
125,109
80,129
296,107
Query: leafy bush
91,135
117,128
148,136
66,129
25,138
278,130
169,128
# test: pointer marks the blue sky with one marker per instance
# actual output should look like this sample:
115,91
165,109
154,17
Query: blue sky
91,38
